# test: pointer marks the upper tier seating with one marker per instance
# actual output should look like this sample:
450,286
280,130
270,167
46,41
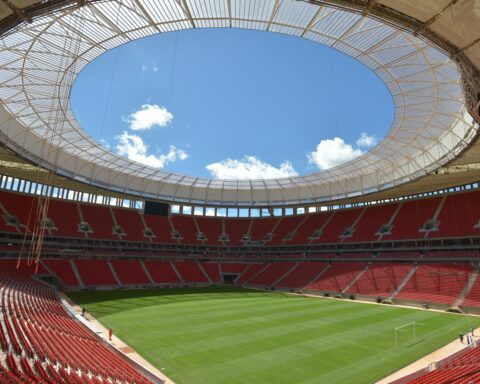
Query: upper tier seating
458,216
23,207
312,223
235,229
412,217
374,218
161,228
100,220
131,223
263,229
211,228
187,228
285,227
65,218
338,225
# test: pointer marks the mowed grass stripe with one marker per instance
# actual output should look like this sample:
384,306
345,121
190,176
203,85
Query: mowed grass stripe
276,329
302,337
265,318
219,335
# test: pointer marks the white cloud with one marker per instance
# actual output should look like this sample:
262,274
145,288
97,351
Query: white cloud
365,140
250,167
210,212
134,148
151,67
105,143
330,153
149,116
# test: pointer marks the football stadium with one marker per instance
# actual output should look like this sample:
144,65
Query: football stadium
118,268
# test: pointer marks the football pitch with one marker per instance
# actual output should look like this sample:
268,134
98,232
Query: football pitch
229,335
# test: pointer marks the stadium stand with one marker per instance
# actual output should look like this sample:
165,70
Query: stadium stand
161,228
442,283
130,272
302,275
64,217
401,222
95,272
250,272
268,276
22,207
338,277
285,228
190,272
473,297
43,344
23,267
262,230
236,229
187,229
100,221
131,223
411,218
370,223
212,228
63,270
162,272
463,369
310,227
212,270
410,221
381,279
436,283
233,268
339,227
459,216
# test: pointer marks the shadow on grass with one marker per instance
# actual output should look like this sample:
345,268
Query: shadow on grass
104,303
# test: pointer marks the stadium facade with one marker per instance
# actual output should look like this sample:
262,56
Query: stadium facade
399,224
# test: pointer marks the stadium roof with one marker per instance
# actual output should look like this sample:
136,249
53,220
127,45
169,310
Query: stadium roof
426,52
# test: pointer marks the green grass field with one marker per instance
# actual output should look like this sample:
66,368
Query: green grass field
227,335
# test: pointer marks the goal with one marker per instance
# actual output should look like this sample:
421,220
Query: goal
407,335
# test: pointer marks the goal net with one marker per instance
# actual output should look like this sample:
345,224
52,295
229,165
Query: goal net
408,335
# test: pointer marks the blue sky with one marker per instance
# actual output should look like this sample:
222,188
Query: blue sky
232,104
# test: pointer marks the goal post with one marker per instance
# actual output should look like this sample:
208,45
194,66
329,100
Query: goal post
408,334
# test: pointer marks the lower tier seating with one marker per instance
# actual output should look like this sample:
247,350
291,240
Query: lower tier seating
438,283
444,283
464,369
338,277
381,279
43,344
